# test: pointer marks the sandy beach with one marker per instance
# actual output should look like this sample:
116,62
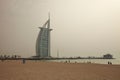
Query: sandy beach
39,70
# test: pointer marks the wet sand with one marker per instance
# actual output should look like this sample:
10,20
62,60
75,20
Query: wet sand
38,70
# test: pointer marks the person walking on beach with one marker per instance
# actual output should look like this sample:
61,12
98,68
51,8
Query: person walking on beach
23,61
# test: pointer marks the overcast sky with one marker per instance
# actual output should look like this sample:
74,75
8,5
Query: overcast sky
80,27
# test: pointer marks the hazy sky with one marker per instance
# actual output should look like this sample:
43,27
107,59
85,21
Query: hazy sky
80,27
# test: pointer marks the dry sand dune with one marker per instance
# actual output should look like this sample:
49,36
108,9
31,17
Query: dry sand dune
38,70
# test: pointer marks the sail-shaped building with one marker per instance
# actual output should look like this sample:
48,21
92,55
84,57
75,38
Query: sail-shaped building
43,41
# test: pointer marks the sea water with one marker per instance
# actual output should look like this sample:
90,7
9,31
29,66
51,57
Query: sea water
97,61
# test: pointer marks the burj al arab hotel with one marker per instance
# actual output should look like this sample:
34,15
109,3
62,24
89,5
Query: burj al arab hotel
43,40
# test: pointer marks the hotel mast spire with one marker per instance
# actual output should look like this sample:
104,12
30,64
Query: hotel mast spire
49,20
49,34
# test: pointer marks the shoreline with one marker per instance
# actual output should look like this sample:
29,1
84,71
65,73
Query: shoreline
88,61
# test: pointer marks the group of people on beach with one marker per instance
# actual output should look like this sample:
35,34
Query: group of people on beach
109,62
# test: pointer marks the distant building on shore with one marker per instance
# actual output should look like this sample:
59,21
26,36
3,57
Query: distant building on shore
43,40
108,56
